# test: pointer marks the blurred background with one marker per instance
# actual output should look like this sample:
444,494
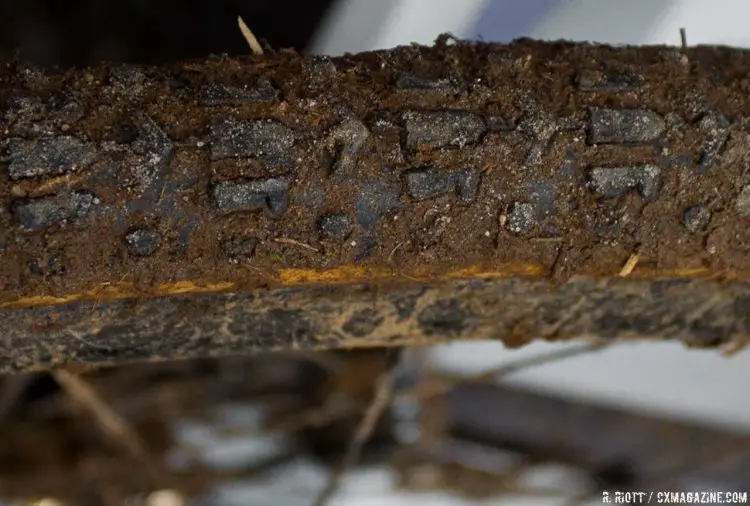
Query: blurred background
652,379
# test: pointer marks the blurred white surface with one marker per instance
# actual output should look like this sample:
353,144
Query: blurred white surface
661,378
648,21
361,25
612,21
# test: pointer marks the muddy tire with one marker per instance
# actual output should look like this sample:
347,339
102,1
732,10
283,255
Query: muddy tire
412,195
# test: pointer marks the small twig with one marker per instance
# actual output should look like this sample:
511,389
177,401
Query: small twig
511,368
570,312
161,193
411,278
734,348
546,239
541,359
256,269
100,291
77,337
285,240
365,428
99,295
109,422
51,185
629,266
249,37
393,251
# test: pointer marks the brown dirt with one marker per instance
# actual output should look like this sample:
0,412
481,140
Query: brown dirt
117,169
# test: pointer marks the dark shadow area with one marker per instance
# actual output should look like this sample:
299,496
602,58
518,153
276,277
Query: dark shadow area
84,32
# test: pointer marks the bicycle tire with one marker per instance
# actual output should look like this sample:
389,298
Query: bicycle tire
405,196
